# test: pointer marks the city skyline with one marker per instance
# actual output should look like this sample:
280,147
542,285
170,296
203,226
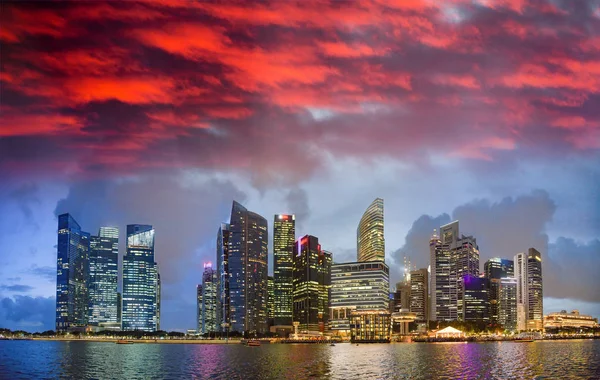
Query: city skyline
163,112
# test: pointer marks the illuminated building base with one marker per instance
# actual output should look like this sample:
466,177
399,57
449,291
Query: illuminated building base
370,326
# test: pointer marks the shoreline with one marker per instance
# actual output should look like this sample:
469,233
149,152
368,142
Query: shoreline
238,341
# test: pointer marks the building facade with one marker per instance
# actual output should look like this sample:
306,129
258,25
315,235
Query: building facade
530,308
284,236
248,269
496,269
103,276
140,280
419,294
311,283
370,242
572,320
475,299
357,286
209,300
270,300
223,296
507,303
199,308
370,326
72,276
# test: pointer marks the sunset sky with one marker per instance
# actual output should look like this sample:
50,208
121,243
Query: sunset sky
164,112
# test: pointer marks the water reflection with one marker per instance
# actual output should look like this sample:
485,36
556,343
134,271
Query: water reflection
505,360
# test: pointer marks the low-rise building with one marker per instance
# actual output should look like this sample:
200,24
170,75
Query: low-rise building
572,320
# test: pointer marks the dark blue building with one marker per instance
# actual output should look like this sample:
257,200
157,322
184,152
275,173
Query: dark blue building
104,270
72,275
475,299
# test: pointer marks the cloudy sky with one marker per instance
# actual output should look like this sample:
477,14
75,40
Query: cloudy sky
162,113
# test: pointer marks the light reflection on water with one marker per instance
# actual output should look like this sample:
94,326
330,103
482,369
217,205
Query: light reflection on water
500,360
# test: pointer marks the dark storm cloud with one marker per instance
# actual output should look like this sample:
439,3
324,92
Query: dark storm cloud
27,313
27,197
297,202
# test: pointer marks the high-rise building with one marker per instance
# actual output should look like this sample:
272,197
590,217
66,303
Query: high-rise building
475,298
284,236
312,282
419,294
271,300
402,295
528,272
119,307
453,256
103,276
158,293
507,303
370,243
209,299
140,280
248,268
72,276
357,286
496,269
199,309
223,296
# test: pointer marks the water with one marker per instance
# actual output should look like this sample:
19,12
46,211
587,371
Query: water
578,359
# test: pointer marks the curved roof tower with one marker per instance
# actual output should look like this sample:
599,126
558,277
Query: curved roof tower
370,243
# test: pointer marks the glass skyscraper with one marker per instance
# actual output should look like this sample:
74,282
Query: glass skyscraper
199,309
209,299
475,298
419,294
495,269
248,269
284,236
72,276
507,303
530,307
223,297
103,278
312,282
140,280
370,242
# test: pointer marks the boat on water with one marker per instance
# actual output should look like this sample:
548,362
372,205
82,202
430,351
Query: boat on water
523,340
332,344
253,343
123,341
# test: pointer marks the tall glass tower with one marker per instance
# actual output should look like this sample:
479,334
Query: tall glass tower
248,268
140,280
209,299
223,297
284,235
370,243
104,269
72,274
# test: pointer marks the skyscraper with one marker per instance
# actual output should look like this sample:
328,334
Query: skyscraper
507,303
357,286
370,242
209,299
199,309
248,266
453,256
158,293
475,298
223,297
312,282
284,236
419,294
496,269
72,280
140,277
528,272
103,278
271,301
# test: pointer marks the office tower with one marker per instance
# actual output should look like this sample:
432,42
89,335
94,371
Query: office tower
284,236
199,309
496,269
248,265
475,298
443,289
312,282
453,256
103,278
419,294
119,307
72,275
223,297
139,280
507,303
271,301
158,293
402,295
356,287
528,272
209,299
370,243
